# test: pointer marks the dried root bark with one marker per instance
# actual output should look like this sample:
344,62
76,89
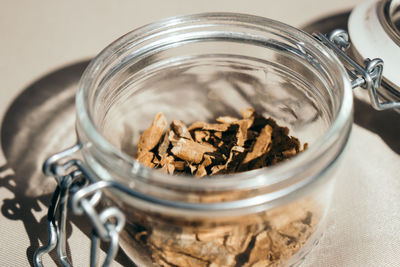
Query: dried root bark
270,240
230,145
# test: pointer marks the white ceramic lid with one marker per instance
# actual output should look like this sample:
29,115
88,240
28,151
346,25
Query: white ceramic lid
371,40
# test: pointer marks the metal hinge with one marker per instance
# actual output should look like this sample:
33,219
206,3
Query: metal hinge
369,78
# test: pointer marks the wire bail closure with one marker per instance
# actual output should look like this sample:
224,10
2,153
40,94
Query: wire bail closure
369,78
78,190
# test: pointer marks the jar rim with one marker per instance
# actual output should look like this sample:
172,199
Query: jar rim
250,179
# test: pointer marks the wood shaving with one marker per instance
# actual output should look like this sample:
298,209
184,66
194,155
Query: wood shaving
180,129
201,136
191,151
151,137
219,127
226,119
146,158
261,145
168,164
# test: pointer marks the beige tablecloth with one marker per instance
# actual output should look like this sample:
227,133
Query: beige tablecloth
39,38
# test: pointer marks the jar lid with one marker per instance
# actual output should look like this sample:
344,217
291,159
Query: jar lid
374,28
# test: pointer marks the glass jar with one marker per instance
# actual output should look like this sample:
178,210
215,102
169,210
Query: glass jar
199,67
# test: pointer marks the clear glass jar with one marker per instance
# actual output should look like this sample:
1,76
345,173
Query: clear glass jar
199,67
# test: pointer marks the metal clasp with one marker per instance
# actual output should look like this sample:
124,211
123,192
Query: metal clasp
78,190
369,78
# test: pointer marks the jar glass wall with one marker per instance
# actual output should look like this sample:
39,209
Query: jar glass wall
200,67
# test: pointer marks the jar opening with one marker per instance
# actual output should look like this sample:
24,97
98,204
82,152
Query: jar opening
179,66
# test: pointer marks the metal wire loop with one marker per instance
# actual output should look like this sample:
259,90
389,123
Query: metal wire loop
369,78
112,248
341,38
76,201
78,187
113,213
51,166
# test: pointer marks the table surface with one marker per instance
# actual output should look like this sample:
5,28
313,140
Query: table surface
43,39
